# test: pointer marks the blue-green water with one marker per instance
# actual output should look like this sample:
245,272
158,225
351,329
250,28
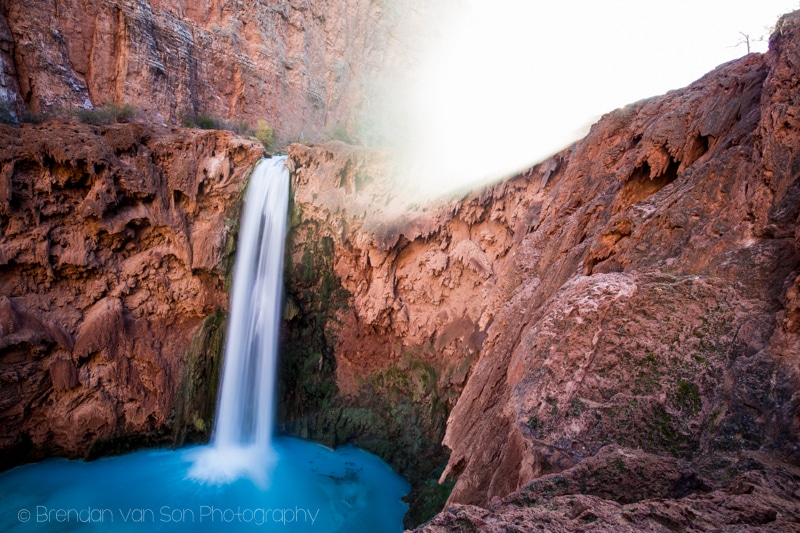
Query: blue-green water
310,488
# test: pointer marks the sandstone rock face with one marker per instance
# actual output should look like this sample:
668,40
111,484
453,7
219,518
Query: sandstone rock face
302,66
114,248
639,289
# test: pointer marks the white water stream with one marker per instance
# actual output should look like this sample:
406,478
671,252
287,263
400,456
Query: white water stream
241,443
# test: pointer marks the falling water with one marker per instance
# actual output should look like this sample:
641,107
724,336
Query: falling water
242,439
243,479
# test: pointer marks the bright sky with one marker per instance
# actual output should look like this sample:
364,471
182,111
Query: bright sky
511,82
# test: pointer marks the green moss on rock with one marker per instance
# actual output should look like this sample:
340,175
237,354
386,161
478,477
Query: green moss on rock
202,368
307,366
687,396
398,414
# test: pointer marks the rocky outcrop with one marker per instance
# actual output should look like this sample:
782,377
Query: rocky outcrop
114,250
638,289
630,491
658,268
305,67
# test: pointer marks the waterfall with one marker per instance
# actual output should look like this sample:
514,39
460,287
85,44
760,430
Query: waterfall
295,483
241,443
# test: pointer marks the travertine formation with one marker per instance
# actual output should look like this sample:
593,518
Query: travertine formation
114,247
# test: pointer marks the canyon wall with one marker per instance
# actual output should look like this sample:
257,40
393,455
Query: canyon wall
627,310
115,245
305,67
633,299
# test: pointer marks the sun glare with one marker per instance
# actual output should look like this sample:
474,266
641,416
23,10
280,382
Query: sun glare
508,83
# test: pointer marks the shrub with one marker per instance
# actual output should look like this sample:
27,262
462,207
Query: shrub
202,121
207,122
110,113
236,126
29,117
339,132
263,131
265,134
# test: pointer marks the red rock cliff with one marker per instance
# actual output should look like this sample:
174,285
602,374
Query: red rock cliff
303,66
639,289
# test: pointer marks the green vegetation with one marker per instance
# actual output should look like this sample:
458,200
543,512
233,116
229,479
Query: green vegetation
647,424
197,394
430,499
687,396
307,364
575,408
662,431
265,134
465,525
339,132
204,121
263,131
109,113
115,113
553,403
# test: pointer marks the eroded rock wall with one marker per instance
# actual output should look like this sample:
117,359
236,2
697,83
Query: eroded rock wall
655,283
115,245
305,67
637,289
